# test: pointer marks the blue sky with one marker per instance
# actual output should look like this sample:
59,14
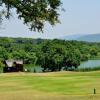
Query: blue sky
81,17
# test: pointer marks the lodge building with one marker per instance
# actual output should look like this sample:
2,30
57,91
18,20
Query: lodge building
13,66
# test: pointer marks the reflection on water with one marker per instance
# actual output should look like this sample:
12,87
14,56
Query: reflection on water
90,64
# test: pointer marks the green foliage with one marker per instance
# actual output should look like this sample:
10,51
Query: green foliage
34,12
21,54
55,56
85,57
31,58
1,64
93,52
72,59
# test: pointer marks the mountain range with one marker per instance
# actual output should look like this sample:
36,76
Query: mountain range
83,37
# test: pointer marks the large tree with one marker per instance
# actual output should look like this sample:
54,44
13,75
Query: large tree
51,56
34,12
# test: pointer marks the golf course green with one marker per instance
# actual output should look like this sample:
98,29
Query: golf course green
50,86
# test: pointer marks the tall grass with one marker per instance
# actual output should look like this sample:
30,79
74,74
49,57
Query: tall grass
33,68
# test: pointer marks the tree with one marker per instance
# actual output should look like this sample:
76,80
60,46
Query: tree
93,52
19,55
31,58
85,57
4,55
51,57
34,12
72,59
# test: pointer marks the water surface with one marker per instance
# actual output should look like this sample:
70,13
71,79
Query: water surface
90,64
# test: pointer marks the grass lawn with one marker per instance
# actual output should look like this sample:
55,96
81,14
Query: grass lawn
50,86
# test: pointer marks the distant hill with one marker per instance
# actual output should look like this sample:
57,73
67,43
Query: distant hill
90,38
83,37
71,36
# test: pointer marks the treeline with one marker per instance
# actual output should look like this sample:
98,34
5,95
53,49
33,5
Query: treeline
51,55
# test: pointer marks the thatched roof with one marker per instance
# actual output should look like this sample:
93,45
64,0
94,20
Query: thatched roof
9,63
19,62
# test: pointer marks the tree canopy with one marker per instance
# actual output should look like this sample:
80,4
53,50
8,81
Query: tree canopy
51,55
34,12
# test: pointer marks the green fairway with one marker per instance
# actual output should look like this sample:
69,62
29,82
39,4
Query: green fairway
51,86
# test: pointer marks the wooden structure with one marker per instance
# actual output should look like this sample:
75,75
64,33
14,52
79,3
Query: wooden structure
13,66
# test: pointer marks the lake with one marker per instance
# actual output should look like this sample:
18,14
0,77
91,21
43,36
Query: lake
90,64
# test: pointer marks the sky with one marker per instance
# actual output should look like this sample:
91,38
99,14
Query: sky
80,17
